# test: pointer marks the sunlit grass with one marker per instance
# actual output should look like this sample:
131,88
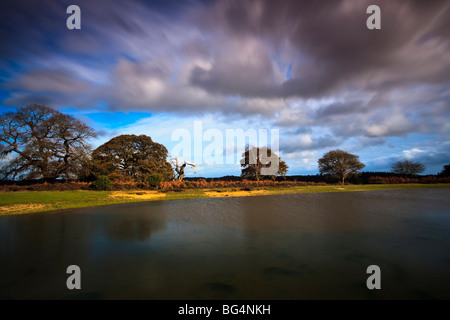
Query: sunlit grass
21,202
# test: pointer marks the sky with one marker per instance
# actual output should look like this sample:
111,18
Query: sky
308,72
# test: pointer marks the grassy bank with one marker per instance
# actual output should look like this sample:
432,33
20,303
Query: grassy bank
40,201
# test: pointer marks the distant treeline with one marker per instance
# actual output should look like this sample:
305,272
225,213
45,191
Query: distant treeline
362,178
222,182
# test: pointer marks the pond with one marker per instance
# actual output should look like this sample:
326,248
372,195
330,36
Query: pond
299,246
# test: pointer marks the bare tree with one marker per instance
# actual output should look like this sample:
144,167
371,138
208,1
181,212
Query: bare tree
407,168
42,143
179,168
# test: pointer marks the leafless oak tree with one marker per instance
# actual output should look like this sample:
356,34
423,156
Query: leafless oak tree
38,142
407,168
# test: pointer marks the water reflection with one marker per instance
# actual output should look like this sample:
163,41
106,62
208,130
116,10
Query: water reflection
135,226
278,247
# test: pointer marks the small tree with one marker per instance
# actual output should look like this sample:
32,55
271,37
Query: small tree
154,180
340,164
282,168
258,162
407,168
103,183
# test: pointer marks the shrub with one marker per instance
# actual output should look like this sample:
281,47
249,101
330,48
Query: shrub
376,180
103,183
154,180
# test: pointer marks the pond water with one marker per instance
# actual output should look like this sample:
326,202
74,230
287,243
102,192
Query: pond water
300,246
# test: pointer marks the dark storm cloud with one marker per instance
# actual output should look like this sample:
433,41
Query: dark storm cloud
310,68
40,57
249,45
28,27
45,80
240,66
278,60
19,99
330,46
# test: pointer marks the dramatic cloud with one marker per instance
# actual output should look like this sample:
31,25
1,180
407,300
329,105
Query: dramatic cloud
329,47
50,81
310,68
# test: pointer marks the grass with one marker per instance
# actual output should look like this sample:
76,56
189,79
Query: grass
41,201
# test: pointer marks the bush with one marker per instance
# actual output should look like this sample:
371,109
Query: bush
154,180
103,183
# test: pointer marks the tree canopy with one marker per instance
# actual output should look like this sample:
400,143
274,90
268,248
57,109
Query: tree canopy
407,168
258,162
131,156
282,168
39,142
340,164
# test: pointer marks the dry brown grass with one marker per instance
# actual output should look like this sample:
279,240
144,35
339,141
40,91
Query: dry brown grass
22,208
141,195
215,194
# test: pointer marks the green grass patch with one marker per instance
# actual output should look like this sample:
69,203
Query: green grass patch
24,197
